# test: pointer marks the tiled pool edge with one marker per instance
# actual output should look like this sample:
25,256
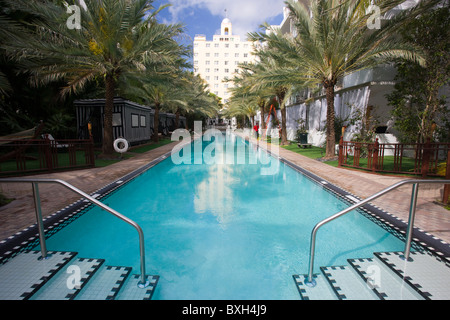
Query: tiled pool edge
429,242
29,238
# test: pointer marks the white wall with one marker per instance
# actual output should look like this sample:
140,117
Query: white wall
346,102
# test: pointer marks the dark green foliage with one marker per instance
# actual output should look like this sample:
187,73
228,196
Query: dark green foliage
416,100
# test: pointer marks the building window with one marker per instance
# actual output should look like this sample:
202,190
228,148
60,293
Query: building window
117,119
208,45
134,120
227,70
216,70
236,55
208,62
216,45
143,121
216,54
207,70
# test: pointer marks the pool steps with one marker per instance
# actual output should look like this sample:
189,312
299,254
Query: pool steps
385,276
25,277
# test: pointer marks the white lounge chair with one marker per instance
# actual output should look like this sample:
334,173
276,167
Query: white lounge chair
54,142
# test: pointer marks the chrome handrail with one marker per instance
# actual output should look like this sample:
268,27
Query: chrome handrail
412,212
143,283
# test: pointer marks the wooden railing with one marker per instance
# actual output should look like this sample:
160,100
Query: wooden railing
425,159
18,157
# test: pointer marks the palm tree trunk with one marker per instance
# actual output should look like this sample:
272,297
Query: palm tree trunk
263,123
330,138
107,147
284,140
281,94
177,119
156,124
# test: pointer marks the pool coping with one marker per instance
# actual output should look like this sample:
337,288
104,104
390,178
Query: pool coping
28,237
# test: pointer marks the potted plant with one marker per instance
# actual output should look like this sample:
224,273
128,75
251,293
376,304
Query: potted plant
302,133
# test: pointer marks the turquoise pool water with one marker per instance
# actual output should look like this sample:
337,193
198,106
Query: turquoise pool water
223,231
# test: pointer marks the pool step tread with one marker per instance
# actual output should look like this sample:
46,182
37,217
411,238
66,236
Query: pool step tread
383,281
22,276
426,277
26,277
428,274
322,290
347,284
130,290
106,284
63,286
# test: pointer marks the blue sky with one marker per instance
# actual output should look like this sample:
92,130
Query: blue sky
205,16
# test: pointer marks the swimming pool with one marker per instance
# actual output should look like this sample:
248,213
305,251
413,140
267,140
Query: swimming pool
223,231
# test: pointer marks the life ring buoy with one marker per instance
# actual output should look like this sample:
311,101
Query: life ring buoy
121,145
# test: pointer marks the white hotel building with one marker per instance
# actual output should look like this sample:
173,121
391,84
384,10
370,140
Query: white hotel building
218,59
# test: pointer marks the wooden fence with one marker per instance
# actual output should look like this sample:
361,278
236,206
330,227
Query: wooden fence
29,156
423,159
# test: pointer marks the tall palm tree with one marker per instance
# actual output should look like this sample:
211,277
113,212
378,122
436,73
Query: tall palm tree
117,37
331,40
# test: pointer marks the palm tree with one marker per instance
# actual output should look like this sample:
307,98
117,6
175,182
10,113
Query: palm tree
200,100
332,40
257,84
177,91
117,38
247,95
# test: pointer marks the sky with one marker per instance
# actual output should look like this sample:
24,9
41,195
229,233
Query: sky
205,16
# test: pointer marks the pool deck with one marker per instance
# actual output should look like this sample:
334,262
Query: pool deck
431,217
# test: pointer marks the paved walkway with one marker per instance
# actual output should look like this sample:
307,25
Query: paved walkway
431,217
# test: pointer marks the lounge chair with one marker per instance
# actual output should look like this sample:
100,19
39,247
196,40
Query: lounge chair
54,143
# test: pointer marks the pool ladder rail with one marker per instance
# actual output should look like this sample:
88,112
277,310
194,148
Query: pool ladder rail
143,283
310,282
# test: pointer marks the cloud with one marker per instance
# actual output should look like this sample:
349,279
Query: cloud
246,15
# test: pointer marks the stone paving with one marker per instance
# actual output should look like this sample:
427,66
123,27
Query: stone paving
19,214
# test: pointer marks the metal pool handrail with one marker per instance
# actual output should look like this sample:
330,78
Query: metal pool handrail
412,212
37,203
